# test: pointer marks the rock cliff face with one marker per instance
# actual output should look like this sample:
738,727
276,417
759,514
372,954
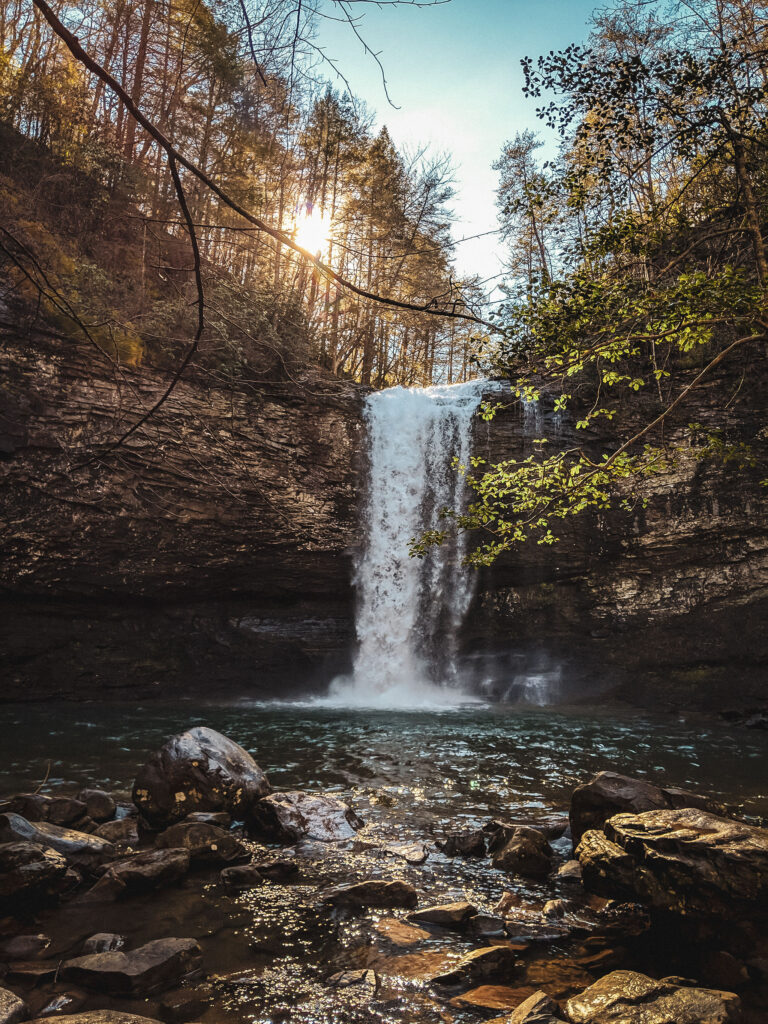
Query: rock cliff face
212,552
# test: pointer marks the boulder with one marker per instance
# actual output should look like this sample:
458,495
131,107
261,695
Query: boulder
685,861
140,873
30,873
449,915
12,1008
78,848
526,852
123,832
99,1017
500,832
537,1009
242,876
279,869
463,844
487,926
289,817
608,793
413,853
198,770
489,964
150,968
103,942
61,810
24,947
374,893
624,997
207,844
570,872
99,805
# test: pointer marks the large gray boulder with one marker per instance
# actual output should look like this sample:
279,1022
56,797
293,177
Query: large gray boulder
150,968
624,997
30,873
79,848
289,817
198,770
686,861
609,793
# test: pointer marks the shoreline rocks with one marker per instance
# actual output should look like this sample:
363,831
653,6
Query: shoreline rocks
292,816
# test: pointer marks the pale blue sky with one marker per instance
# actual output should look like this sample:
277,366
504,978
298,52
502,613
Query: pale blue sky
454,71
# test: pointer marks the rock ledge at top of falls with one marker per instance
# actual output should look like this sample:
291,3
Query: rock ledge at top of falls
609,793
686,861
198,770
625,997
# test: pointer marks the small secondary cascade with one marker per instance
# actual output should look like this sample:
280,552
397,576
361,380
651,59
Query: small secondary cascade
410,609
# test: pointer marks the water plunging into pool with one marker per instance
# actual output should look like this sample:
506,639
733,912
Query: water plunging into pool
410,609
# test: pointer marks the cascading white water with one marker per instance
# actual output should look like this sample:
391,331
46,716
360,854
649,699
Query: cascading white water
410,609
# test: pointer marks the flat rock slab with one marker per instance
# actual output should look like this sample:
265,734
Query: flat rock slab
492,997
413,853
489,964
289,817
207,844
198,770
150,968
448,915
79,848
400,933
12,1008
374,893
140,873
625,997
688,861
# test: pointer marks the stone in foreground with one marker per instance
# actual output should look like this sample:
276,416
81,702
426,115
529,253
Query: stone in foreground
374,893
449,915
99,805
290,817
609,793
537,1009
150,968
490,964
526,852
98,1017
198,770
30,873
625,997
140,873
79,848
12,1008
240,877
686,861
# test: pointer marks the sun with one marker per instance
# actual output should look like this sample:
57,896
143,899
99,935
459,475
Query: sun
312,230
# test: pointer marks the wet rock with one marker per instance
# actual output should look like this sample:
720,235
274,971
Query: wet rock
400,933
278,870
12,1008
463,844
123,832
104,942
537,1009
554,909
30,873
492,997
289,817
491,963
487,926
140,873
449,915
99,805
723,970
364,978
240,877
65,810
413,853
219,818
78,848
63,1002
570,872
624,997
32,806
31,972
623,919
99,1017
24,947
686,861
185,1005
198,770
526,853
150,968
608,793
207,844
500,832
376,892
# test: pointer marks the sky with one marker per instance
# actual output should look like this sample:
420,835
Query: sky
453,70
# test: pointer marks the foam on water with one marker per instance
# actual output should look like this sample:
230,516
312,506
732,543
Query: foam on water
410,609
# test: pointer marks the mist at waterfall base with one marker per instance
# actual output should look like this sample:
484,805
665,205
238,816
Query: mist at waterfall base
410,610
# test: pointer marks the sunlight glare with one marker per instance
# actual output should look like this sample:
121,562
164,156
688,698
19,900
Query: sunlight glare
312,231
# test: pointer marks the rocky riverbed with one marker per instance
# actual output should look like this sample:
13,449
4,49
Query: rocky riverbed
212,896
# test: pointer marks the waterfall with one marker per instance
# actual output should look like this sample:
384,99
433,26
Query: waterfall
409,610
